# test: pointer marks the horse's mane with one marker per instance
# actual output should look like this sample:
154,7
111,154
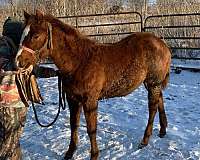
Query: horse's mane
63,26
84,44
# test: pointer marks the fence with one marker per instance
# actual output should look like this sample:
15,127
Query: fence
183,36
106,28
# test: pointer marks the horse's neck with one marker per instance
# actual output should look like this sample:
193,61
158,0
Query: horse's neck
69,51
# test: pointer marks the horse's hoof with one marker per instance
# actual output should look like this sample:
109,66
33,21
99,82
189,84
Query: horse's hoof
161,135
68,155
141,145
70,152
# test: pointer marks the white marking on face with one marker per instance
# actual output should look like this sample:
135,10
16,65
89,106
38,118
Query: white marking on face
24,34
18,54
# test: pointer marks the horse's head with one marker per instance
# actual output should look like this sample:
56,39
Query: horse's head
36,40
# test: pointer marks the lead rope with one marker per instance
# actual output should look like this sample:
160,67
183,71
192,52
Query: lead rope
62,103
62,93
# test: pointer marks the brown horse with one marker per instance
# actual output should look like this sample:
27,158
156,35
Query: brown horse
95,71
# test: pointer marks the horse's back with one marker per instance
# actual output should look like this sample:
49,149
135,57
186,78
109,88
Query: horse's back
137,58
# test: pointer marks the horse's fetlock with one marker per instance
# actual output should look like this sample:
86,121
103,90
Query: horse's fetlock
72,148
92,132
94,154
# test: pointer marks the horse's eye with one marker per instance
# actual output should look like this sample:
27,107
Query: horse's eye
36,36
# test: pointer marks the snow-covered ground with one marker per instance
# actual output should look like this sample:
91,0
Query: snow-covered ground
121,125
186,63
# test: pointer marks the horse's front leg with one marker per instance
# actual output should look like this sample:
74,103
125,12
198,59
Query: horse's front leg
75,110
90,111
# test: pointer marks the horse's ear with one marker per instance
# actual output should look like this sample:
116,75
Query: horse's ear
26,15
39,14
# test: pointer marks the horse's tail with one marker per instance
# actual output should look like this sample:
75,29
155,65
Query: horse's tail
166,80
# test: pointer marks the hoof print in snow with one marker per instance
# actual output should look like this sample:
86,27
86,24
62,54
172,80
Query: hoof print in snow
178,70
170,98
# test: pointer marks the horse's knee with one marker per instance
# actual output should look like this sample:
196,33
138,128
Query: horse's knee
90,110
91,120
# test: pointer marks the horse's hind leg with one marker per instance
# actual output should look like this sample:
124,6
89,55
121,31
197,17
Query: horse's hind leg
153,103
162,116
75,110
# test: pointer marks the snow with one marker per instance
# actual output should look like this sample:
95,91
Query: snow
121,125
186,63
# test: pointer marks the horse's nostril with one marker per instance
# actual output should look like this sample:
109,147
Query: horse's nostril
18,62
20,65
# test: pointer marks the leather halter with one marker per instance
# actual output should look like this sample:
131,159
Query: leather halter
48,44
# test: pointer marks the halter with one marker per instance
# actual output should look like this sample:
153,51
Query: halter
48,44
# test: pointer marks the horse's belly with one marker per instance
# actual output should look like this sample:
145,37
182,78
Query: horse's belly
119,89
